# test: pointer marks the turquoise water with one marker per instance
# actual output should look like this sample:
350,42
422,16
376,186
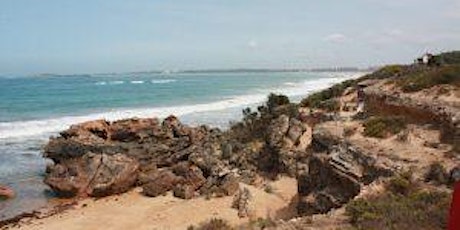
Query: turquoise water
33,108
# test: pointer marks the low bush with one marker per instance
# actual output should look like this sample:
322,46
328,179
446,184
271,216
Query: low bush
254,123
262,223
447,74
382,127
449,57
318,99
388,71
437,174
419,210
402,184
213,224
404,205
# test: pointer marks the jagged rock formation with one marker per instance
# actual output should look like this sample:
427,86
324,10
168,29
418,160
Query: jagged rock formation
100,158
335,173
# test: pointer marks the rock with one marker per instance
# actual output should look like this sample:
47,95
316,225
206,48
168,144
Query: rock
98,128
146,174
296,129
130,130
192,175
324,188
229,184
175,126
241,202
93,175
184,191
277,130
6,192
146,141
335,173
160,183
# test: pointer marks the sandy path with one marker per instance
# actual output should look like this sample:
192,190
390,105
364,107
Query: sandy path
134,211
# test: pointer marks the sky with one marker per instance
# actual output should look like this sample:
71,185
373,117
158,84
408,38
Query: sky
100,36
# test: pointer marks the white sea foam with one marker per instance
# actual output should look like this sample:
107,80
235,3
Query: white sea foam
34,128
116,82
101,83
137,82
290,83
162,81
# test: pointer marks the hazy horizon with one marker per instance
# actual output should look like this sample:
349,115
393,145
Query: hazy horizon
58,37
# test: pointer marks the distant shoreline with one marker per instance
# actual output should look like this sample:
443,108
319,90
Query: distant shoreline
217,71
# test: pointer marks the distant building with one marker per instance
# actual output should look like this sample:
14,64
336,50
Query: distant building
426,59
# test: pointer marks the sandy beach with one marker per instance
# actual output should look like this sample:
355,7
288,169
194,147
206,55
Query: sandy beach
132,210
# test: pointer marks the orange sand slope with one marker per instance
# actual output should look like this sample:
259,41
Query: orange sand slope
135,211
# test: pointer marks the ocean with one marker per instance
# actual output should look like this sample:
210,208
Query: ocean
33,108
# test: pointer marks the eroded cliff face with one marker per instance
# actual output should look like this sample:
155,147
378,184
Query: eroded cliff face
393,103
342,165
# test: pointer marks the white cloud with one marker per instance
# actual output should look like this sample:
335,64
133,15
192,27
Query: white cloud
253,43
453,10
336,38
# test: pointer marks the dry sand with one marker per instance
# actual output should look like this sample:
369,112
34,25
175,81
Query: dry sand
135,211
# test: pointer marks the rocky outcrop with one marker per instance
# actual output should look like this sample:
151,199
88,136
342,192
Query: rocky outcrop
100,158
286,144
6,192
335,174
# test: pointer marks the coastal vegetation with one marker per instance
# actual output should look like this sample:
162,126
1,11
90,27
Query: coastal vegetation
325,99
212,224
254,124
404,205
448,74
383,126
438,174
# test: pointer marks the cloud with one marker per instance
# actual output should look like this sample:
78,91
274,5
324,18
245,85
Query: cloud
453,10
253,43
335,38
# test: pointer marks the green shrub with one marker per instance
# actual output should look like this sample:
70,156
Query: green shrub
419,210
213,224
269,189
449,57
382,127
402,184
437,173
388,71
254,123
318,99
403,206
262,223
275,100
448,74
